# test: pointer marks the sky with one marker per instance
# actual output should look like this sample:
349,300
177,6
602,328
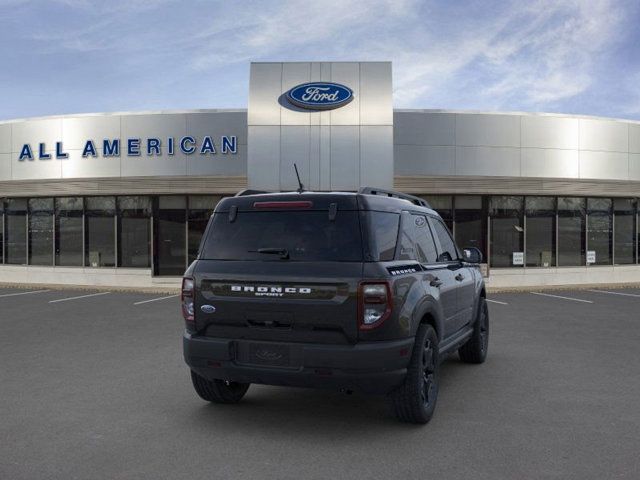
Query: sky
80,56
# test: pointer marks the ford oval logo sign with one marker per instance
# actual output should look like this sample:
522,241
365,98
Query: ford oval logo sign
208,308
320,95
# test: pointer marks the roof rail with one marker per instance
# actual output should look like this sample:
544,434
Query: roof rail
392,193
249,191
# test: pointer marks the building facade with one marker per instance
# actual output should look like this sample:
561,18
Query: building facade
123,198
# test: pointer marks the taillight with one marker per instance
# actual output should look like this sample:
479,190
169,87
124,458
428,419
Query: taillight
375,304
187,298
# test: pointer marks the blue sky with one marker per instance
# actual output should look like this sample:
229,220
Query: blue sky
75,56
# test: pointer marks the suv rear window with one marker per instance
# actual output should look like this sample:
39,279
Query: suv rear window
305,235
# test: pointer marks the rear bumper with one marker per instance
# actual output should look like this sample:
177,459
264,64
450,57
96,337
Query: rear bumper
374,367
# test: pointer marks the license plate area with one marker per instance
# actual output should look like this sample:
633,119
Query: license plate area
264,354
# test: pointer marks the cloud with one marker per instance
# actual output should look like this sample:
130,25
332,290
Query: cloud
540,55
533,56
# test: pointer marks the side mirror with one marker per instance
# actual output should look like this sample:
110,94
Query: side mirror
472,255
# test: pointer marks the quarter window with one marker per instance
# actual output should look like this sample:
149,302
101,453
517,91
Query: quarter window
384,233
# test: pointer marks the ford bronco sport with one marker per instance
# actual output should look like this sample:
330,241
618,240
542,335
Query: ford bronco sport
358,291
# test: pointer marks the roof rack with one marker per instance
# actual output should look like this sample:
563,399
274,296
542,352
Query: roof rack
392,193
249,191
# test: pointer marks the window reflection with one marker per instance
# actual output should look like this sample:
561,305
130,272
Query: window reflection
134,227
68,238
507,231
100,231
16,231
540,231
571,231
200,209
625,230
600,228
470,222
41,231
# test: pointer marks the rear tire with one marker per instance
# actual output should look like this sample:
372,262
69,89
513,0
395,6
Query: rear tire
475,350
218,391
415,400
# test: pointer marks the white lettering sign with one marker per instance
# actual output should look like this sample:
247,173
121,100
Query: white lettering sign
518,258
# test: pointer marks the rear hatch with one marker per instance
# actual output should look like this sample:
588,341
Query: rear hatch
285,270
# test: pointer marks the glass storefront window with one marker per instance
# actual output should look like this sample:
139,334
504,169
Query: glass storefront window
134,227
624,210
1,230
100,231
507,231
540,231
443,204
41,231
68,237
600,228
170,233
16,231
571,231
200,209
470,219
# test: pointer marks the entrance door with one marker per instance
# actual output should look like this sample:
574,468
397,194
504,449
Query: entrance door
170,236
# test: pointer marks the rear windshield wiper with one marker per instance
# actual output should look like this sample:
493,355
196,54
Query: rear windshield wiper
283,252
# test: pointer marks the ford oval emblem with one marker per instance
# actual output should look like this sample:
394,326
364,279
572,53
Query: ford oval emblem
208,308
320,95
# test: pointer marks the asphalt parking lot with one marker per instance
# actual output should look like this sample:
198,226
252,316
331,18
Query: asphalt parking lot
95,387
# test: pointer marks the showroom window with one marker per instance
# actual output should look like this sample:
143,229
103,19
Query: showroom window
100,232
170,239
470,222
41,231
624,222
1,230
134,228
69,232
443,204
16,231
507,231
540,231
571,231
200,209
600,231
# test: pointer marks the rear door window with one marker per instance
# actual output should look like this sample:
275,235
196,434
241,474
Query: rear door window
425,246
305,236
447,251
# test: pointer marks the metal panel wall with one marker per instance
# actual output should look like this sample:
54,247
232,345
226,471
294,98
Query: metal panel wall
550,132
604,135
75,131
333,150
518,145
550,162
5,138
488,130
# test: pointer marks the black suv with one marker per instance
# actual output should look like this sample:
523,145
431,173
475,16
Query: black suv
358,291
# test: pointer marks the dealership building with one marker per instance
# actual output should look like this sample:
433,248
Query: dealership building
123,198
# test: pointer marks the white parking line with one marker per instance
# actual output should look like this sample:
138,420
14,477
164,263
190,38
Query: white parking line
22,293
496,301
156,299
615,293
78,298
563,298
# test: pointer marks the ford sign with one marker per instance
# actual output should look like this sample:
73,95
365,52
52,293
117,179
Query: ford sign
320,95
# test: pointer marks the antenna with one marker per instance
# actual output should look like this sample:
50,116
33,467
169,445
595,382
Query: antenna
300,185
